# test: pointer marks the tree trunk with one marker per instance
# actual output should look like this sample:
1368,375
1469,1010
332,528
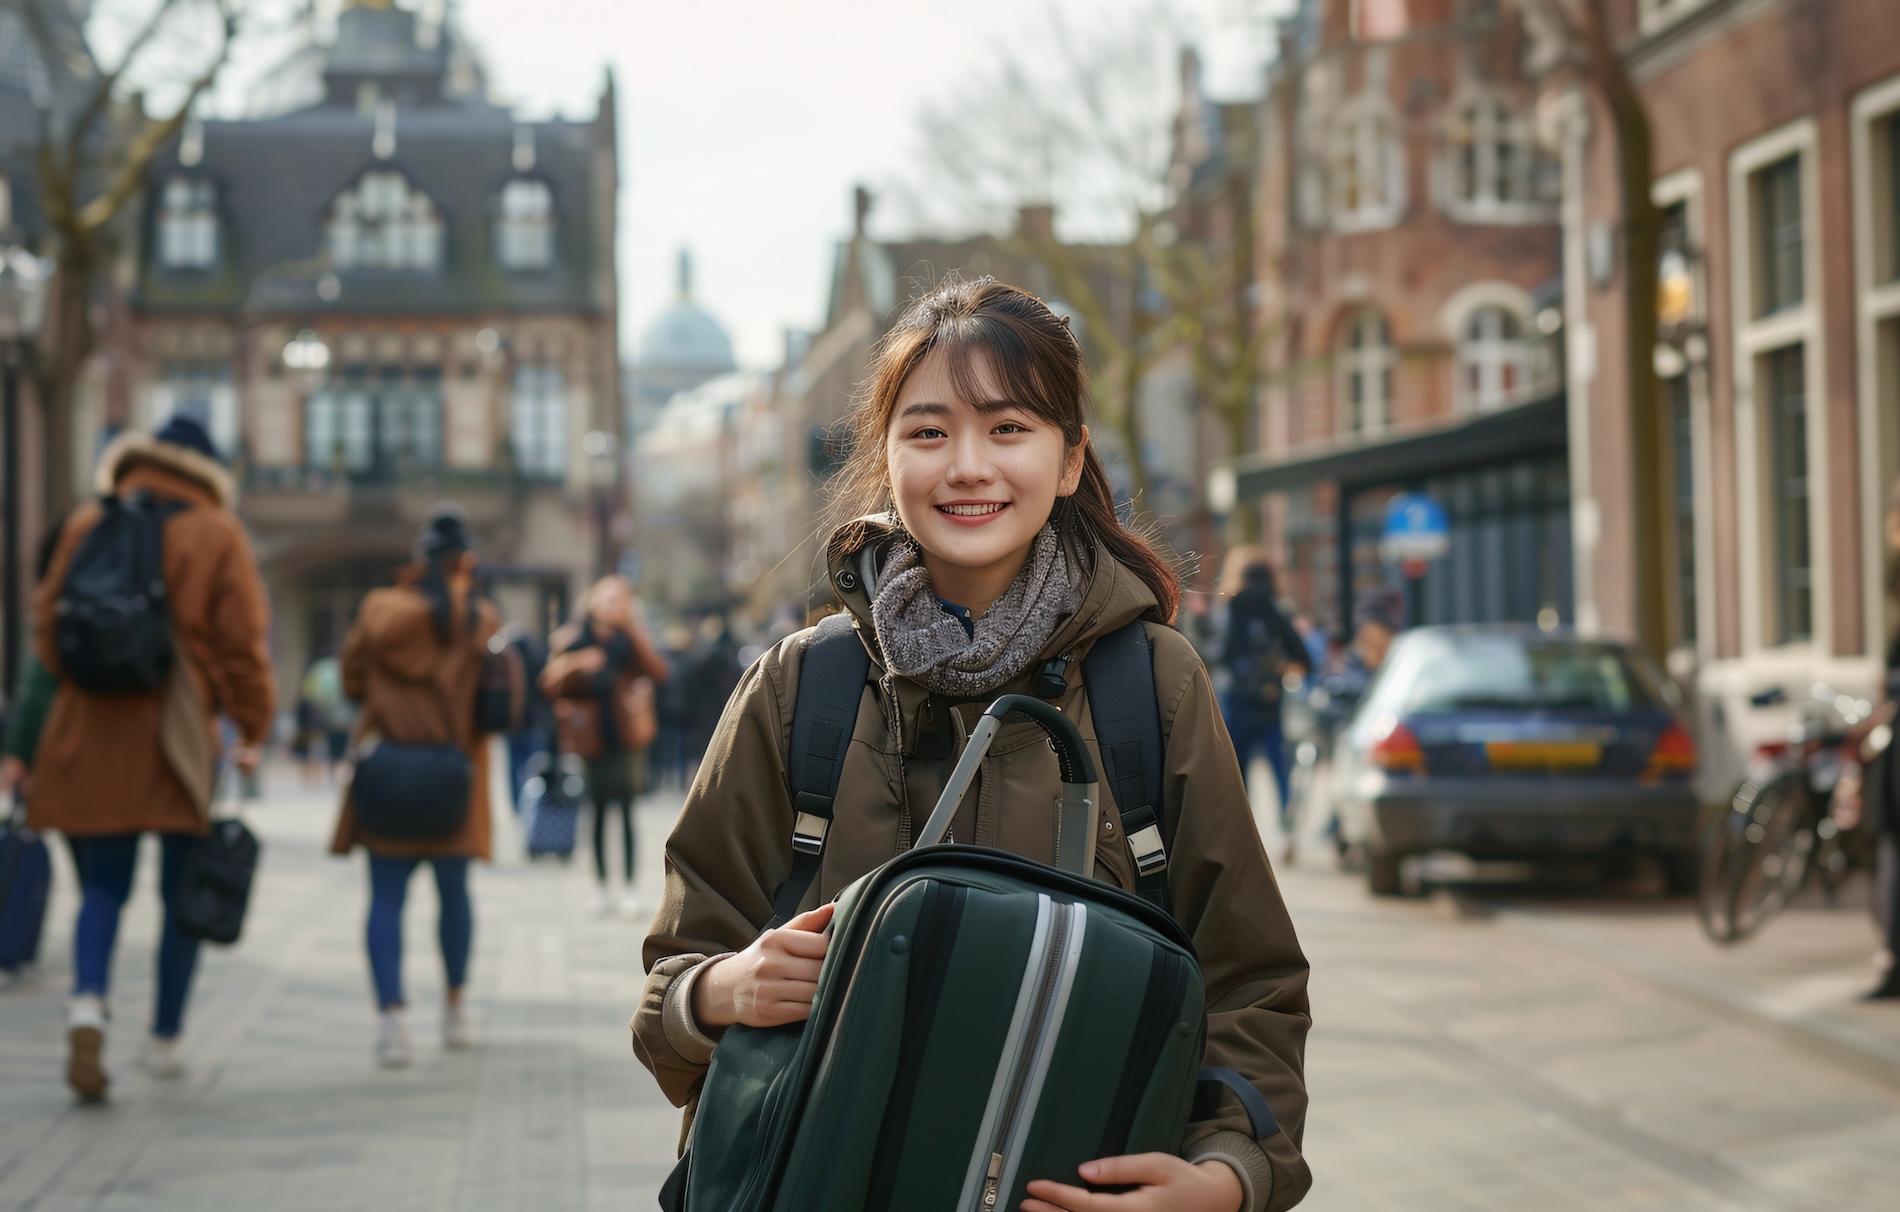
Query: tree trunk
65,345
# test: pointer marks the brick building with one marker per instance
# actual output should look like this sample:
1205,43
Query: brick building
1775,128
1408,254
392,295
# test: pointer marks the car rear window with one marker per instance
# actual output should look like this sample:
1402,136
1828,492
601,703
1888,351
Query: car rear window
1478,672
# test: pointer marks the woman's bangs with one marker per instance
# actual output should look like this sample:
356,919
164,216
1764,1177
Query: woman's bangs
969,343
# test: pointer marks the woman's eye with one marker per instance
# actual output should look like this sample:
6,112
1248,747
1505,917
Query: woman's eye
1011,427
928,432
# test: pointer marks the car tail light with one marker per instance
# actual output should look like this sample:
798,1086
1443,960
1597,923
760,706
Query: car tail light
1674,753
1395,748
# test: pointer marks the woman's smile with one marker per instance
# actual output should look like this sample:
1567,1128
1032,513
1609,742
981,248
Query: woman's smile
972,513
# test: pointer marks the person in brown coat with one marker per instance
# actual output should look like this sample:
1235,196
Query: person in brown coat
413,661
111,767
599,660
1003,553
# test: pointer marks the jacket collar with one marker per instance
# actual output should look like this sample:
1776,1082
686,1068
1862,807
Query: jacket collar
1112,597
182,470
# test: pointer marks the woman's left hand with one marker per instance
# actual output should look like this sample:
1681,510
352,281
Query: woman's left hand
1166,1184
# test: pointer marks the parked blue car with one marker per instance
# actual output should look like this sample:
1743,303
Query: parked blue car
1504,742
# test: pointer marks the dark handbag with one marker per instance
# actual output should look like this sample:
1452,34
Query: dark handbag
215,888
411,792
502,694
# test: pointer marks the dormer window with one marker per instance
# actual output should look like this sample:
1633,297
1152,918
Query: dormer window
1494,168
1365,167
384,222
524,233
188,224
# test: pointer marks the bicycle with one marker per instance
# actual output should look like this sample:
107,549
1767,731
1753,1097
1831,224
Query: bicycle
1780,828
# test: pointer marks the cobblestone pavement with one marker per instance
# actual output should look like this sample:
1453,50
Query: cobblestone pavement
1471,1052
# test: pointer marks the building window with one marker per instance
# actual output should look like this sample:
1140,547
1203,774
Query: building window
376,426
539,423
1378,20
201,390
188,224
1365,360
384,222
524,235
1786,374
1492,159
1779,284
1365,167
1682,451
1493,360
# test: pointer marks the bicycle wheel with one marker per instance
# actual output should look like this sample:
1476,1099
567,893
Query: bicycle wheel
1722,851
1778,840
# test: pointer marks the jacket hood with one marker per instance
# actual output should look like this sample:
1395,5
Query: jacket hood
1112,595
133,450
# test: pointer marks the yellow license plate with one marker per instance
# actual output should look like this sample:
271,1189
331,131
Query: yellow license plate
1543,755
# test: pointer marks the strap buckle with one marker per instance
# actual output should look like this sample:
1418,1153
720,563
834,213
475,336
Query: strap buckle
1142,828
808,833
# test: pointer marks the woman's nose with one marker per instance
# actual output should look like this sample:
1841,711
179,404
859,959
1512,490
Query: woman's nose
969,463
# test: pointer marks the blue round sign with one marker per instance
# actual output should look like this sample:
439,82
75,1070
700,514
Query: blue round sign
1415,528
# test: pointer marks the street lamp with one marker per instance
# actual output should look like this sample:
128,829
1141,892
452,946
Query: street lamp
22,306
603,452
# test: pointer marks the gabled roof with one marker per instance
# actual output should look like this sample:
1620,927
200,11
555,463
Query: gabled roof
276,178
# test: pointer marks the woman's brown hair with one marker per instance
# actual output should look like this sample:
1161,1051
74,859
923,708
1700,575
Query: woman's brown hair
1040,367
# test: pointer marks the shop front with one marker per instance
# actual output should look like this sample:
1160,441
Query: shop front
1502,482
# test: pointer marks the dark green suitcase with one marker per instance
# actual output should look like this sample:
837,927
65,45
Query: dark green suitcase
982,1020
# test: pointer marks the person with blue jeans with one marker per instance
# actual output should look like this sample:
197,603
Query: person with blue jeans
113,765
413,660
1259,648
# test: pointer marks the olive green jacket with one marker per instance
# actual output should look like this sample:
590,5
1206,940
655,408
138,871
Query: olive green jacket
731,849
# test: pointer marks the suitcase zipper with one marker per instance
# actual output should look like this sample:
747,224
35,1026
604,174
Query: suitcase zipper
1023,1089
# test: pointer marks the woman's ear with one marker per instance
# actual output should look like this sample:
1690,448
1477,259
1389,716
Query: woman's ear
1072,464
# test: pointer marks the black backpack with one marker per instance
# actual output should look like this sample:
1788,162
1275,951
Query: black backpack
113,624
1118,674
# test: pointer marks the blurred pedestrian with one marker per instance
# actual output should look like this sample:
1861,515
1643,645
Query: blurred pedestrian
602,673
32,699
115,764
1260,650
530,743
414,661
1883,782
333,716
667,758
712,675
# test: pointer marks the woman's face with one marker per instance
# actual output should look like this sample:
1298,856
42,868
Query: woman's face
609,603
974,481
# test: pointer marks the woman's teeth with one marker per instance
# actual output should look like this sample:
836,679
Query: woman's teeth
971,511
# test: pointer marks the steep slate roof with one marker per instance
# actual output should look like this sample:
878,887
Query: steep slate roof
276,178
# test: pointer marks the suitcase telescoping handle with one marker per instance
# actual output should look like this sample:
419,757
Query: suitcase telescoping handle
1075,820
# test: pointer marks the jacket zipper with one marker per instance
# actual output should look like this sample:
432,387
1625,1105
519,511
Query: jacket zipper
1021,1093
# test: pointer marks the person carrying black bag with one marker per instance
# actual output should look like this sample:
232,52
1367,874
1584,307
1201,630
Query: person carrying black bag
414,661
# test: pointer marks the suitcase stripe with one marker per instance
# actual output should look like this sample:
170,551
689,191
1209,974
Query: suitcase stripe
1042,1002
929,968
1160,1002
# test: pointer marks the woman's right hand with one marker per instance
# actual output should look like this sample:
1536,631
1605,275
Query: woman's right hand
770,983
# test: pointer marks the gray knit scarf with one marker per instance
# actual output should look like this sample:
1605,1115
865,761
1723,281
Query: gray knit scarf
926,643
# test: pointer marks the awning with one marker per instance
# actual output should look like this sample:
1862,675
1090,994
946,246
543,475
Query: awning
1540,427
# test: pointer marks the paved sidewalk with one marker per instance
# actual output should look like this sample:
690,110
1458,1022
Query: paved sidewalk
283,1108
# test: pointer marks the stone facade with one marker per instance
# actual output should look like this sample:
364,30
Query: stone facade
394,296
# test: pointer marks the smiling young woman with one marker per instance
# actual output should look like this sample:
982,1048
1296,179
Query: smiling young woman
982,544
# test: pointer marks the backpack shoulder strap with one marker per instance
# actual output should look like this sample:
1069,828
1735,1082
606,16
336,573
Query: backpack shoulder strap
1119,675
830,688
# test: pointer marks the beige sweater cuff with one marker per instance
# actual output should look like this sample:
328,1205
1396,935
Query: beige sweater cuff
683,1033
1248,1160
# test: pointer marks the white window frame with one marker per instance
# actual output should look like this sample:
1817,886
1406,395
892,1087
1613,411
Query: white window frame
1380,366
1684,188
1654,16
1485,206
540,410
1457,311
407,243
1753,339
524,242
1876,304
1350,125
187,238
